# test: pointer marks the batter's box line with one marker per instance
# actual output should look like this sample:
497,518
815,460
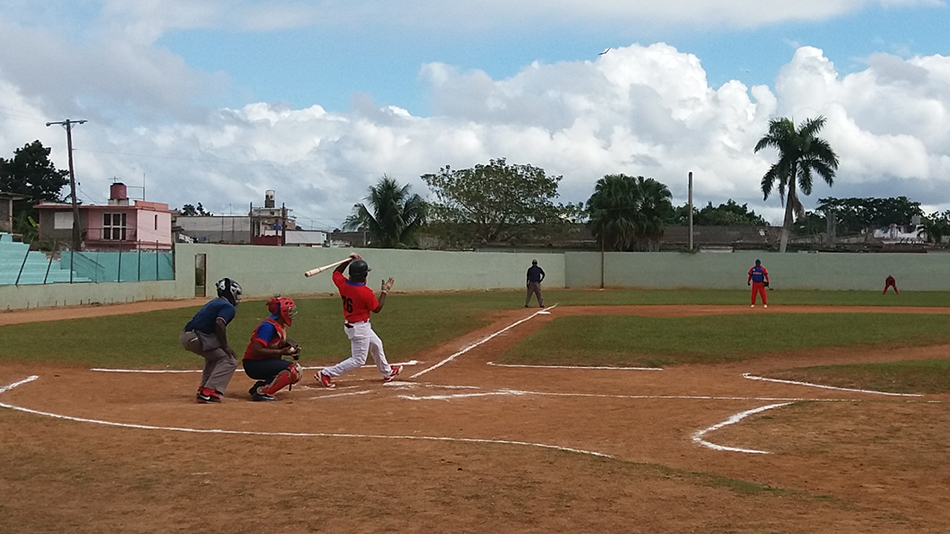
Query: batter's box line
809,384
698,436
175,371
483,340
516,392
286,434
578,367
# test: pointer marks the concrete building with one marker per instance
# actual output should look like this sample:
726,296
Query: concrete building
121,224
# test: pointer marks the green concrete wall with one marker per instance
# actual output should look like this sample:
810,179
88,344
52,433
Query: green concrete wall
267,271
729,270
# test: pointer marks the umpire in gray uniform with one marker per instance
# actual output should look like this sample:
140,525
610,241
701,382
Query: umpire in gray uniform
535,277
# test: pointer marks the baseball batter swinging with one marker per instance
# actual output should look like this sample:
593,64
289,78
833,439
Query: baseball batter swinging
358,302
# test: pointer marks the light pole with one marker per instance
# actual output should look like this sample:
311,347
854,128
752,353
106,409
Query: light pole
68,125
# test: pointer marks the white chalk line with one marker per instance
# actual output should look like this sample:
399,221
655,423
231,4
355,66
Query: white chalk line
698,436
796,383
174,371
515,392
577,367
483,340
284,434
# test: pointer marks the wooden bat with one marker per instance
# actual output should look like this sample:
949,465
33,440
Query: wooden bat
327,267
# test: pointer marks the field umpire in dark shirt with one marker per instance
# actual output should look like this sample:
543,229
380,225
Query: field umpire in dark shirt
535,277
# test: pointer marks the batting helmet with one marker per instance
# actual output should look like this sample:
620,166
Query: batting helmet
358,270
230,290
283,307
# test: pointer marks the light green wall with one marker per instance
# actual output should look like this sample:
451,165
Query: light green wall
729,270
266,271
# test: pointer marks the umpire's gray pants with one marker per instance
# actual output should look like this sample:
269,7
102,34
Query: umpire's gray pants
219,365
535,289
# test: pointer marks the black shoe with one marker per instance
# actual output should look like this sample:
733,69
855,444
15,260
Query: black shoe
258,397
258,384
205,399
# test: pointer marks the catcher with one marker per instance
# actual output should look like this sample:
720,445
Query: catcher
264,358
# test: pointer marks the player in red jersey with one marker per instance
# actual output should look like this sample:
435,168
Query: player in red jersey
358,302
890,282
758,279
263,358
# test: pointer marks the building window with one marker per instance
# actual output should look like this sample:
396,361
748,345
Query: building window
113,226
62,220
156,222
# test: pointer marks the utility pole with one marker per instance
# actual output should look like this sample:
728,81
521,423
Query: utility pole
68,125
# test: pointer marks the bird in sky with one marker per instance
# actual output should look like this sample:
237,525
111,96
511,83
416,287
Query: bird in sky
604,52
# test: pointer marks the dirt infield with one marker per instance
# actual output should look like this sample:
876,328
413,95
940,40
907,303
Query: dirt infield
472,447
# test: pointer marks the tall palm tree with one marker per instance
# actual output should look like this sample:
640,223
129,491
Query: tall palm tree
392,217
801,154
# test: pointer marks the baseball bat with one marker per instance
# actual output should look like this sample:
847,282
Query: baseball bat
327,267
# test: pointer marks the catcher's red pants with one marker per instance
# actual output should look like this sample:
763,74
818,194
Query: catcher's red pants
891,284
759,287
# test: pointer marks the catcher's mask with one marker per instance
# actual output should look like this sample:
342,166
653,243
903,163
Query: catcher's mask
283,307
358,270
229,290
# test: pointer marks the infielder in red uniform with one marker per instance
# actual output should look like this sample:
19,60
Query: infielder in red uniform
890,282
758,279
263,358
358,302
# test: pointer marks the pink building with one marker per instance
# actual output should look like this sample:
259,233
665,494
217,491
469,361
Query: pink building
118,225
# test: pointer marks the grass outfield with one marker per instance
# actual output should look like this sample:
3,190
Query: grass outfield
412,323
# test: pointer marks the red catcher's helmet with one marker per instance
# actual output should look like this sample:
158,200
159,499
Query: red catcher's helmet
283,307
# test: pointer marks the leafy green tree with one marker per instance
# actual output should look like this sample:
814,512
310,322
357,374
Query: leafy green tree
189,210
728,214
857,215
391,217
492,203
30,173
936,226
811,223
628,213
802,154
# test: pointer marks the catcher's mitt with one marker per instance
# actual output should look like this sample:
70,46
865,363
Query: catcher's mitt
295,353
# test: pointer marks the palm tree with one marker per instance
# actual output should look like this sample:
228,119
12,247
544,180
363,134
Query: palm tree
628,213
801,154
392,216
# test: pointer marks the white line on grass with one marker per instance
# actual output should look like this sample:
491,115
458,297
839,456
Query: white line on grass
284,434
481,341
698,436
577,367
796,383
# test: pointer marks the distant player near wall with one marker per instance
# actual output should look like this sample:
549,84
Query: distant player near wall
890,282
759,280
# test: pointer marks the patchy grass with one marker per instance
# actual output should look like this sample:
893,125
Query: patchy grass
917,376
664,341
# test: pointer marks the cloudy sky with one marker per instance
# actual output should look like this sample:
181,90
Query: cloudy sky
216,101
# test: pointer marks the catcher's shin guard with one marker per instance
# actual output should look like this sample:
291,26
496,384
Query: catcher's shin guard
287,377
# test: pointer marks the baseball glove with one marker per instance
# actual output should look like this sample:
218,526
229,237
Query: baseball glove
765,283
295,353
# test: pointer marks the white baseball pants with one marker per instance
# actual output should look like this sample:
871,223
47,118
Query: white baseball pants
363,342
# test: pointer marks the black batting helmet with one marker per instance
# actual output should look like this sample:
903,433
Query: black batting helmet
359,269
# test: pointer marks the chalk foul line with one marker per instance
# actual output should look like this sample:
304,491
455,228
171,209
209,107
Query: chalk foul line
698,436
4,389
577,367
176,371
808,384
482,341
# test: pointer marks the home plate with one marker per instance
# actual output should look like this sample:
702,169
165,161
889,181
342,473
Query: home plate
396,383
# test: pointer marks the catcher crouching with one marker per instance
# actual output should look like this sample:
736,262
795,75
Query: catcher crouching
264,358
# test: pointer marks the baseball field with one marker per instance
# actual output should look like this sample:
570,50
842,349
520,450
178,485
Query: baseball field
607,411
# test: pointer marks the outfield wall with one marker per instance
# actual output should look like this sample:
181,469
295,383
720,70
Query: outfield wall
729,270
265,271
